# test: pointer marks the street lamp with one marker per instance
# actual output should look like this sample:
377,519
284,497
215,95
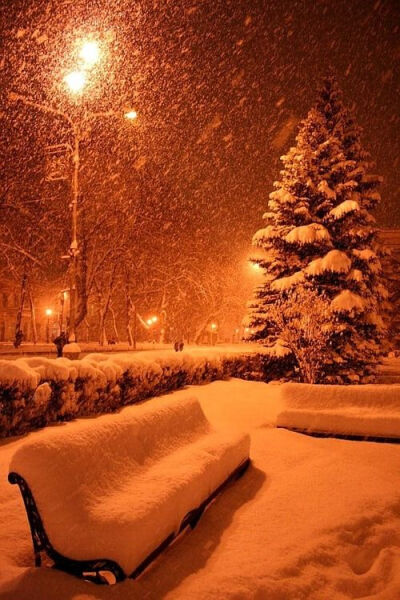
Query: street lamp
90,53
48,312
131,115
76,81
256,267
152,321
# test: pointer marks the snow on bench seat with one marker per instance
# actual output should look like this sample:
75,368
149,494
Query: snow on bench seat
118,486
371,411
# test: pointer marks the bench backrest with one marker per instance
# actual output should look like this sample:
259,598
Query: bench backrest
305,395
67,463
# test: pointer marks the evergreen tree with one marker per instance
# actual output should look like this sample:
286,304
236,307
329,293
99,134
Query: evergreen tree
320,235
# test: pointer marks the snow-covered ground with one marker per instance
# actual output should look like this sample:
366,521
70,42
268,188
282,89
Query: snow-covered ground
312,519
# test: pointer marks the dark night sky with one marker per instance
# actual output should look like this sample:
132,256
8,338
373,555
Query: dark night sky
220,86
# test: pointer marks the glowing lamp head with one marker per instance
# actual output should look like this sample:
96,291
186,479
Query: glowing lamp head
255,266
48,312
154,319
213,326
131,115
149,322
75,81
90,53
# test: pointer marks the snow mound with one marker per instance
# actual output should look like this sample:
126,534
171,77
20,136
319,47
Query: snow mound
283,196
47,368
285,283
328,192
279,349
18,373
129,479
366,410
344,208
355,275
265,233
71,350
365,254
335,261
308,234
347,301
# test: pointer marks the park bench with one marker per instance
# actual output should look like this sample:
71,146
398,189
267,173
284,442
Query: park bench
105,496
354,412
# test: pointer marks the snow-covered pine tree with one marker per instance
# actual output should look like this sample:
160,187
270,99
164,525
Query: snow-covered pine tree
320,235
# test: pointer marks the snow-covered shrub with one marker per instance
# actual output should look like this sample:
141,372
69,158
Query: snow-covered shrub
302,320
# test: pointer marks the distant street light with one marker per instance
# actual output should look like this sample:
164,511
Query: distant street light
255,266
48,312
131,115
75,81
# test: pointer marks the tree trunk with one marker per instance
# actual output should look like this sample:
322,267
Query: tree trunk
163,317
33,316
86,322
130,309
106,307
134,326
116,334
103,335
18,330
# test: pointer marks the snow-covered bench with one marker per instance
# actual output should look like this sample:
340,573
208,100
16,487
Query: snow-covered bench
349,411
107,495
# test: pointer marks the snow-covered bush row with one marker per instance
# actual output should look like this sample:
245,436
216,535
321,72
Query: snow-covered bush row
36,391
367,410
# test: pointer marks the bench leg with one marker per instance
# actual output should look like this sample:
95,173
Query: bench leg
195,516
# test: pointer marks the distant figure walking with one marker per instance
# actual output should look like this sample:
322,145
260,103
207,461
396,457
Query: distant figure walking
19,336
60,342
181,344
176,346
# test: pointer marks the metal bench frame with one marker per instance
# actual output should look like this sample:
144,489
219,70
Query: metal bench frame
94,569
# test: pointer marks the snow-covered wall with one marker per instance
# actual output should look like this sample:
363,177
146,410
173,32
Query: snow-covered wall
36,391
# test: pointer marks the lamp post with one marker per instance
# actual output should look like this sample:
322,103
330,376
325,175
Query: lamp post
151,321
63,296
75,81
48,312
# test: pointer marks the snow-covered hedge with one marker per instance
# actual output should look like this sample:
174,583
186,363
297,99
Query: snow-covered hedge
36,391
